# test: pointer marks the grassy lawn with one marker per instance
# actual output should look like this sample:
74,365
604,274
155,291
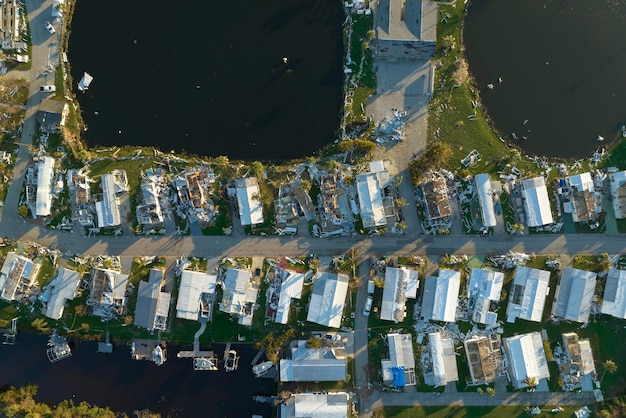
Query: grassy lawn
463,411
133,167
222,222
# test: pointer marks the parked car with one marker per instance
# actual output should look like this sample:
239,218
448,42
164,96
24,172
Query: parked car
370,287
368,306
49,88
49,26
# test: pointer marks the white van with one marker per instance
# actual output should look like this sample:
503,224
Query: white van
368,306
370,287
48,89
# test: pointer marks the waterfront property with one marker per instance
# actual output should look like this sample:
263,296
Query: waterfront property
108,293
114,187
584,202
52,114
61,289
312,405
614,299
485,200
536,202
17,276
441,295
440,364
149,213
286,285
370,201
153,305
324,364
485,287
192,190
249,201
618,193
528,294
328,299
196,295
78,184
400,283
527,364
576,364
239,293
292,203
39,186
574,295
436,201
484,358
399,369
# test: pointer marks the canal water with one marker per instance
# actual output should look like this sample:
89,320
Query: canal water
259,79
115,380
562,65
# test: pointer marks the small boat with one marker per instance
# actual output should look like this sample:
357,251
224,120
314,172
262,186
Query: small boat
205,363
600,138
262,368
231,360
158,355
623,131
84,82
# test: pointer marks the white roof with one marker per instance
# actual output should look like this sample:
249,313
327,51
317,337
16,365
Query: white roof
528,294
486,283
249,201
108,209
536,202
443,359
63,287
574,294
238,291
328,299
370,200
401,350
585,362
614,300
151,302
581,181
45,174
400,284
376,166
316,405
485,198
25,269
312,365
441,296
526,358
291,288
192,285
617,180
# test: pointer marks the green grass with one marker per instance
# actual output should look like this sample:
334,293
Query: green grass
222,222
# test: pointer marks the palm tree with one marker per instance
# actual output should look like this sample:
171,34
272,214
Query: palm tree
531,381
608,366
519,228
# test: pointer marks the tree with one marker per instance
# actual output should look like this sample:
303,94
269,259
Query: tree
314,342
519,228
81,310
608,366
41,325
22,211
128,320
401,202
530,381
258,169
305,185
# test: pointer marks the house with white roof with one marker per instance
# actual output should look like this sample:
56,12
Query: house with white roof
17,276
441,295
288,283
528,294
485,286
485,200
617,183
239,294
536,202
574,295
399,369
584,201
39,186
61,289
10,13
400,283
526,359
370,200
577,363
149,212
153,305
313,364
328,299
196,295
484,358
614,299
108,292
114,186
443,368
249,201
316,405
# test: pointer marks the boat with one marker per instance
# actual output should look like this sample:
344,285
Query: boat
158,355
600,138
623,131
84,82
205,363
231,360
262,368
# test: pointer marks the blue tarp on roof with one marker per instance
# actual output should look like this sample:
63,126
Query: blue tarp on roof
398,376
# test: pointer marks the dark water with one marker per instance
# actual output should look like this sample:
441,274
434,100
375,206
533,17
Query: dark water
208,76
117,381
563,67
